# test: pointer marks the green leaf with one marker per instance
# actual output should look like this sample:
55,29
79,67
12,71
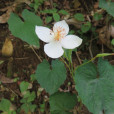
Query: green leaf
48,19
68,54
13,112
24,86
1,61
26,95
9,112
85,27
112,42
32,76
108,6
71,32
62,103
36,7
95,86
97,16
56,16
25,107
37,3
5,105
31,97
32,107
63,12
103,54
42,107
50,11
28,107
79,17
61,112
55,4
51,79
112,23
23,100
25,30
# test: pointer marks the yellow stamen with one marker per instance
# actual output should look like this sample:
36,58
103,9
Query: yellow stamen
60,33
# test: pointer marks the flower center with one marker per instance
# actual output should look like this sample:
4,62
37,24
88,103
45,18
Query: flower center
59,33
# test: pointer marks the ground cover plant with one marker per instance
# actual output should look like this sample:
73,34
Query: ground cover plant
56,57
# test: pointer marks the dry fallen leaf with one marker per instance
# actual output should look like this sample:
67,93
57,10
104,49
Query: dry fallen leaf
104,36
4,18
10,67
112,31
47,3
7,49
4,79
76,4
74,22
112,62
96,5
13,107
22,1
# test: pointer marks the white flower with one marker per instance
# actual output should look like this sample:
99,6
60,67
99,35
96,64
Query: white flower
57,39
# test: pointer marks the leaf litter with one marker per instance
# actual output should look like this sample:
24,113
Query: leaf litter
25,60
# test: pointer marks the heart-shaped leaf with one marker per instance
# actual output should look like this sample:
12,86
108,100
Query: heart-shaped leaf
51,79
62,103
5,105
96,86
107,5
86,27
25,30
56,16
79,16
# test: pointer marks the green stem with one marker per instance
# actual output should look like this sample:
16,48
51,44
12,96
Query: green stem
68,66
98,55
86,62
72,69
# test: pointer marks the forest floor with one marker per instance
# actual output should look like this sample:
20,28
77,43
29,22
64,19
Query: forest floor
23,63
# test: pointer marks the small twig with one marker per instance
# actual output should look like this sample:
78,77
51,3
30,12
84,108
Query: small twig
86,62
88,18
69,66
102,48
78,58
91,54
66,65
36,54
21,58
65,62
51,2
11,91
87,42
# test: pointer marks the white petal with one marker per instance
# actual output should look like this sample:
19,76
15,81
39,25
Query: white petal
61,25
71,42
53,49
45,34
